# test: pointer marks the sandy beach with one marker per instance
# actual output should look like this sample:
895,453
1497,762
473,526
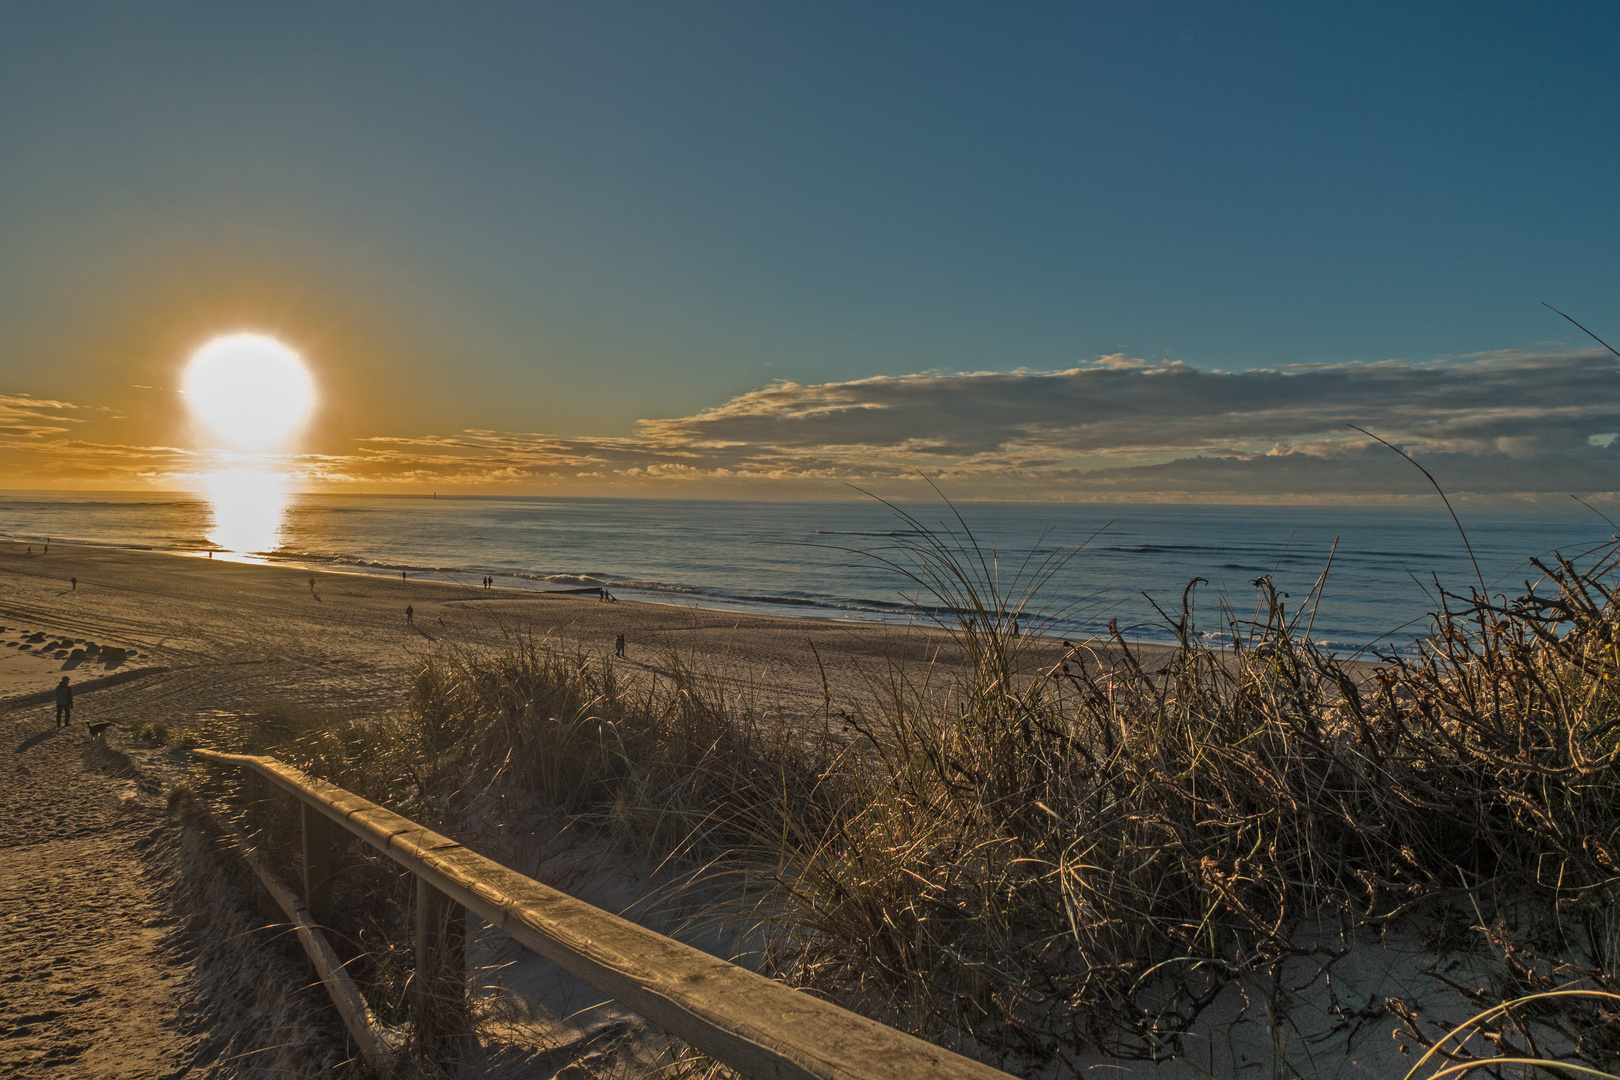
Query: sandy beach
230,637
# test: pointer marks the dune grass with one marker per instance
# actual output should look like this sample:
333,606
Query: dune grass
1031,854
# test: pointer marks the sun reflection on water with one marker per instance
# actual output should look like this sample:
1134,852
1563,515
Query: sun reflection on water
250,510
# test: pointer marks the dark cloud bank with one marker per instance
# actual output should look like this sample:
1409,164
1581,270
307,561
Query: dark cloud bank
1505,424
1497,426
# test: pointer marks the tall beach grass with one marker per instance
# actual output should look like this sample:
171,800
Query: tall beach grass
1051,849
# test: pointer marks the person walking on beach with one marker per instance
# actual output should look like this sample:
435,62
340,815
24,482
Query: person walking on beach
402,575
64,703
75,583
410,614
618,647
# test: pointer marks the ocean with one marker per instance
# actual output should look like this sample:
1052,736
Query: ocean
831,559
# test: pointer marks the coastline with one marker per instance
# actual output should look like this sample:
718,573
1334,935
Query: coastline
826,562
235,636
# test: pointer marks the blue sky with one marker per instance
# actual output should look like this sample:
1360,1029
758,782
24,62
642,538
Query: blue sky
594,222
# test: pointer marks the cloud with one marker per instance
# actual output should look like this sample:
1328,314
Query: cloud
1520,404
30,417
1490,426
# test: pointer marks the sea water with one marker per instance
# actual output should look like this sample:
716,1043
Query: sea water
847,560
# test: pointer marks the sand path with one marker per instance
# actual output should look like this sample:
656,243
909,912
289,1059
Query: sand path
92,976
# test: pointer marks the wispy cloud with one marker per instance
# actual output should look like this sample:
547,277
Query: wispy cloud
1497,424
31,417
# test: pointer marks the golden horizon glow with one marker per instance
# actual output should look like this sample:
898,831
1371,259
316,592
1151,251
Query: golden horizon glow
251,389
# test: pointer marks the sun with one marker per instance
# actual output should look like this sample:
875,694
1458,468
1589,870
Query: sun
251,389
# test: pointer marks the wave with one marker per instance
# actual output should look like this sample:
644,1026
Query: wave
80,541
857,532
283,555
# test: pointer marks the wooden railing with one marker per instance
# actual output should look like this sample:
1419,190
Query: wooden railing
756,1026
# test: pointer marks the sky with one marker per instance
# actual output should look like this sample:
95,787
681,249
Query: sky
1080,251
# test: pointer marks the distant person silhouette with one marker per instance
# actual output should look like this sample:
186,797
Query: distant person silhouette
311,584
618,646
410,614
64,703
75,582
402,575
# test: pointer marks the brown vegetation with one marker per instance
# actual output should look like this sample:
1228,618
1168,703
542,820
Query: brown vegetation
1027,858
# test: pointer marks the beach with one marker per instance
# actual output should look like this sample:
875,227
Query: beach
97,884
217,639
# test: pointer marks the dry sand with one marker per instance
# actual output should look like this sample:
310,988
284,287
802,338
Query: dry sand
97,980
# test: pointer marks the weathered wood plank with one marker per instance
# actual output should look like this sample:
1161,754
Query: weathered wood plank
757,1026
439,987
321,839
368,1032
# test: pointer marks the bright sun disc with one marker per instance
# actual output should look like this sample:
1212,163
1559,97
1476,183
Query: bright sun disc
251,389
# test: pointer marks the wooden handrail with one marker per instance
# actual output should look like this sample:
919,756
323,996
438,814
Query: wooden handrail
755,1025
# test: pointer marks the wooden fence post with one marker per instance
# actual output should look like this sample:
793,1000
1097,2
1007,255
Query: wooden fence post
320,861
255,792
441,980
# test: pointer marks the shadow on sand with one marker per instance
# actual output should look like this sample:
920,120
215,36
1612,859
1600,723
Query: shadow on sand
34,740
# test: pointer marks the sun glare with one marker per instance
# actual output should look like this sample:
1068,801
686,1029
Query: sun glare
251,389
250,510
